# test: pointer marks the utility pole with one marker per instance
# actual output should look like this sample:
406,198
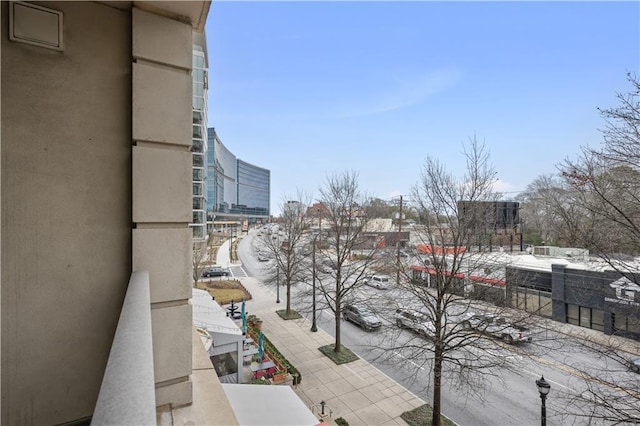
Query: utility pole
398,243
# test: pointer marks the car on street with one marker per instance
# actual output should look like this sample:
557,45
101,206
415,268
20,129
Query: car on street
262,257
381,282
362,317
418,322
497,327
215,271
634,365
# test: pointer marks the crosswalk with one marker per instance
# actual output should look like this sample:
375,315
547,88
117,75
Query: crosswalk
237,271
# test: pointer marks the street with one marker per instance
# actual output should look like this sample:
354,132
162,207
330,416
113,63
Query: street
505,395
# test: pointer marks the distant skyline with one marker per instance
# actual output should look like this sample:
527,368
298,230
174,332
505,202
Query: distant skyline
306,89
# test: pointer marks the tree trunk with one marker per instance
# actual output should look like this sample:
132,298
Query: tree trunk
288,299
437,383
338,315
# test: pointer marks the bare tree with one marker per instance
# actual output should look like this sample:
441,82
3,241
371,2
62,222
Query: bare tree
346,249
605,184
287,246
453,213
202,253
606,181
610,393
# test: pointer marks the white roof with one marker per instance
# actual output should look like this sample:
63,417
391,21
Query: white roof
268,405
209,315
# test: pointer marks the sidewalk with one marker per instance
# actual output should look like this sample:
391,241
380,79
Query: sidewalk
356,391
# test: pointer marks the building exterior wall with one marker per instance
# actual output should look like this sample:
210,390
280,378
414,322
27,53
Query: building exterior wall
253,189
96,181
162,116
199,147
236,187
66,211
215,174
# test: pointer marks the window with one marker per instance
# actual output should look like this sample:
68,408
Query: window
626,323
573,314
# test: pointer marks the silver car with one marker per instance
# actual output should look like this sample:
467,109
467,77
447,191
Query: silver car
361,316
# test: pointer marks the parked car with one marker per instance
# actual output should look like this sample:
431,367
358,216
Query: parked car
634,365
361,316
418,322
215,271
498,327
262,257
381,282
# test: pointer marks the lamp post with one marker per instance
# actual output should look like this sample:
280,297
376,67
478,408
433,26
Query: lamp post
543,388
314,326
230,243
277,284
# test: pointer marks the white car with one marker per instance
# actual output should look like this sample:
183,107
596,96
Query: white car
416,321
497,327
381,282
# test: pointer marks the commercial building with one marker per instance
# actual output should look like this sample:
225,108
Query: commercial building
585,291
96,173
236,187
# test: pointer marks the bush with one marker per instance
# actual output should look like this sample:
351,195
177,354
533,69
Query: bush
341,422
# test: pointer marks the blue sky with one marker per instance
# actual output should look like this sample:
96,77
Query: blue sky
306,89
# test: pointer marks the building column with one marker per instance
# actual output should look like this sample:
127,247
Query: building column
161,204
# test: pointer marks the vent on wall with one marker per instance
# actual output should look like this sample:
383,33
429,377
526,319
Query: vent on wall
35,25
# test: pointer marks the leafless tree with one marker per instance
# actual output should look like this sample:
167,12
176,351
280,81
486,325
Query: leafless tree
345,250
605,184
606,181
609,394
453,213
287,246
202,252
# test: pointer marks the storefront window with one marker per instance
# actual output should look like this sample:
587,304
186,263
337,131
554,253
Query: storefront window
597,320
573,314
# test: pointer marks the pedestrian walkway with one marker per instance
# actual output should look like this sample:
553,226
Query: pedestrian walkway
357,391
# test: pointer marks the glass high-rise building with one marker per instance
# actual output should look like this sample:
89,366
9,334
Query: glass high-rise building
235,186
199,138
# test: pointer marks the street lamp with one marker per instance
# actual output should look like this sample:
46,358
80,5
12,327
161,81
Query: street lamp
277,284
314,327
543,388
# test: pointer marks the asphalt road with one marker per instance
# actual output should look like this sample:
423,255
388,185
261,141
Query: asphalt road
506,395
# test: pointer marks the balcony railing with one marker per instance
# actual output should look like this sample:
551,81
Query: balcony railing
127,394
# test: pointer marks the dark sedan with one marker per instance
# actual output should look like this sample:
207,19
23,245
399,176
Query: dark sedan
215,272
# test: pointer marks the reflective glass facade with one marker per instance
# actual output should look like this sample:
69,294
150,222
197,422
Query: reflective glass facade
235,186
199,142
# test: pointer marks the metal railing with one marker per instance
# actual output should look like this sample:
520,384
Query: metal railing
127,394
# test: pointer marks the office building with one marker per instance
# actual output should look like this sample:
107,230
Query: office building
199,147
236,187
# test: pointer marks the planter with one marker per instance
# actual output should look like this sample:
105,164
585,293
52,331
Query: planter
279,378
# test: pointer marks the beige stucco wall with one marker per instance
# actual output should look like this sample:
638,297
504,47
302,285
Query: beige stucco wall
162,187
66,211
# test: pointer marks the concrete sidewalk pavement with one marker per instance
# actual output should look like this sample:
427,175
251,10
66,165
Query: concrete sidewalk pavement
356,391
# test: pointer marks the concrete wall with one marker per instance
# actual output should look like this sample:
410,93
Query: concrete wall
162,178
66,211
96,181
